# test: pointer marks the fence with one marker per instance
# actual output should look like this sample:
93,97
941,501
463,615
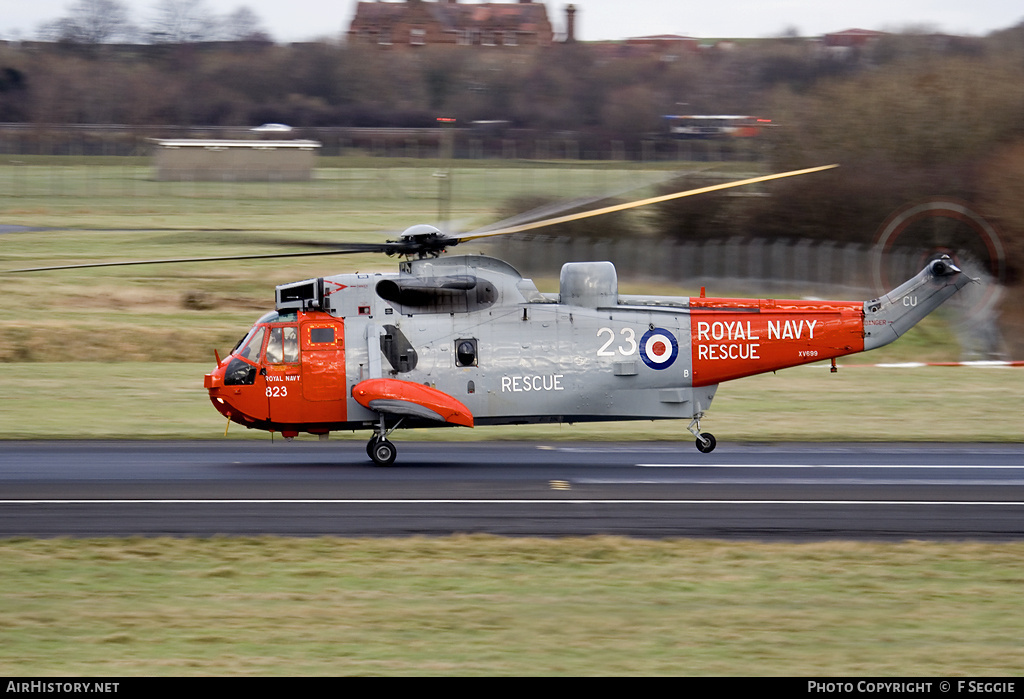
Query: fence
733,265
424,143
375,183
769,268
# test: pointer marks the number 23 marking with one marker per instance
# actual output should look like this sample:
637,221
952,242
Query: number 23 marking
628,347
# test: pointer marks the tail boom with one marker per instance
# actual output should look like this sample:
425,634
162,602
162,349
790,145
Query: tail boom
890,316
733,338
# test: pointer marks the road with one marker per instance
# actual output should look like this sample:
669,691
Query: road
741,491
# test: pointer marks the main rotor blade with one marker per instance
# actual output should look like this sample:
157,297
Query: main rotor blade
351,249
551,209
476,235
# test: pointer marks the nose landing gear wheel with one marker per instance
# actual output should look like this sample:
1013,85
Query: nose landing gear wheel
706,443
381,451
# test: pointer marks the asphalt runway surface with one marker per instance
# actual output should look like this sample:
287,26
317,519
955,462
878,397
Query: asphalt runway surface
788,492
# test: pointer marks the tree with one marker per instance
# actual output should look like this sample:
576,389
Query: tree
243,25
91,22
183,22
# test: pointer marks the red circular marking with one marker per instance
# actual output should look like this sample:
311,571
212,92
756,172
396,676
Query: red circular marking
659,348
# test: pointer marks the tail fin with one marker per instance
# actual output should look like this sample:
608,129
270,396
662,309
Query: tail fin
888,317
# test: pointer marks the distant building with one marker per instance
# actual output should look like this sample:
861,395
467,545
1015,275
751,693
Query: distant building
449,22
852,38
224,160
664,47
668,47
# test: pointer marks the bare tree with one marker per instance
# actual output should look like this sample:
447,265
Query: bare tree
183,22
91,22
243,25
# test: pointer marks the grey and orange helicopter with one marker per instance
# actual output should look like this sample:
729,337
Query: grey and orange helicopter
464,340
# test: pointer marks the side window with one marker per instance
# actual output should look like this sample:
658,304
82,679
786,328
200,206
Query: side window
465,352
291,344
283,346
275,348
321,335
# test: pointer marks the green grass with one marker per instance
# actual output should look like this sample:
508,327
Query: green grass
127,195
481,605
160,400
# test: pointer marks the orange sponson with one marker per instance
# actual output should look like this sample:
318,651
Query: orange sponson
450,409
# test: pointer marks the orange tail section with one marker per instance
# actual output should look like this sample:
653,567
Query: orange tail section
733,338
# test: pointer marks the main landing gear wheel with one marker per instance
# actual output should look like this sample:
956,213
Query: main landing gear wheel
705,440
381,451
706,443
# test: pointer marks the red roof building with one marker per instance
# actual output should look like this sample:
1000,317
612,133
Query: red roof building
422,23
852,38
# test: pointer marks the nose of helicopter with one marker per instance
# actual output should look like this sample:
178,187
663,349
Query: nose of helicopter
214,384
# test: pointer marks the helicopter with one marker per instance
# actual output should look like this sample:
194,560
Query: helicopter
465,340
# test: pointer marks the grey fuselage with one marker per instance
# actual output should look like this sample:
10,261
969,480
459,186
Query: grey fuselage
575,356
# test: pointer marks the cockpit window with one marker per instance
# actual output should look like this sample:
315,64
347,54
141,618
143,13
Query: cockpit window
250,346
239,373
283,346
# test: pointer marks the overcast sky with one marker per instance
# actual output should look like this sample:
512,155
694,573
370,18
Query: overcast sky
297,20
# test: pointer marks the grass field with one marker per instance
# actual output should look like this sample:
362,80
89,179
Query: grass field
478,605
156,400
120,353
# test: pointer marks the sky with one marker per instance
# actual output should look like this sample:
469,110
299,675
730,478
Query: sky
301,20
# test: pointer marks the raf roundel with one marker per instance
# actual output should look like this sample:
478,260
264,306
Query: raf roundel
659,348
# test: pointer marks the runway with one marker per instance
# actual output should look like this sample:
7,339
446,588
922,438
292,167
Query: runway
741,491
